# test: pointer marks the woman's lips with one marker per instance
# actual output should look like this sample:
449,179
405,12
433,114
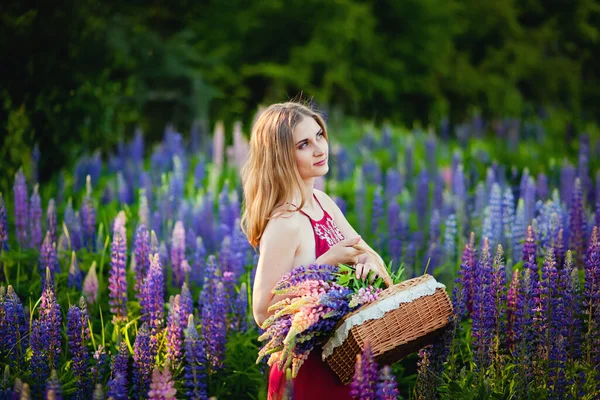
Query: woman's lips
321,163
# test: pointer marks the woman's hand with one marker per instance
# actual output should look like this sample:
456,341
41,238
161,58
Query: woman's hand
342,253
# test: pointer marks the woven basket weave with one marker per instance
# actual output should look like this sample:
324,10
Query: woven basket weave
398,333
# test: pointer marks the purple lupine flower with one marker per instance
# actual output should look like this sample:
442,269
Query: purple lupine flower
214,329
144,209
142,256
117,387
143,362
569,277
152,291
559,329
226,255
75,279
90,285
498,294
174,330
14,327
207,292
195,377
480,199
196,276
38,364
519,231
78,333
35,219
577,224
53,388
483,304
117,281
529,199
21,208
178,253
240,310
450,239
120,363
162,386
591,297
512,308
425,386
186,304
508,219
99,370
393,184
3,226
48,259
387,388
364,384
529,247
377,212
88,218
50,320
496,214
462,294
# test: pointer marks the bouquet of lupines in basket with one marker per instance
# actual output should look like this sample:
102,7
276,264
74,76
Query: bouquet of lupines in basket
317,302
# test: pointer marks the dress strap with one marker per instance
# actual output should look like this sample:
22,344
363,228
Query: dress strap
319,203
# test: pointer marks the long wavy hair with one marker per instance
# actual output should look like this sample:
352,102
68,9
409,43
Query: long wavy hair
270,175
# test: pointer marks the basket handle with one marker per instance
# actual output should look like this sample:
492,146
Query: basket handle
381,268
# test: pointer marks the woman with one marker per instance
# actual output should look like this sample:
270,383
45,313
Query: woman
294,224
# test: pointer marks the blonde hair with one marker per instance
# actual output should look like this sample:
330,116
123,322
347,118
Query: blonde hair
270,175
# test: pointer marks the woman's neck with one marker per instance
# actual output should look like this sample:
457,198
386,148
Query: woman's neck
308,190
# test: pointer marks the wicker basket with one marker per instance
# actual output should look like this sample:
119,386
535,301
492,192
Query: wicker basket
394,335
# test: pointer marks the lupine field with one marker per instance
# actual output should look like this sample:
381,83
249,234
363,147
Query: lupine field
129,276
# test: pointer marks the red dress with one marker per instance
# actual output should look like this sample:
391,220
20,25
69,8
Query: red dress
315,380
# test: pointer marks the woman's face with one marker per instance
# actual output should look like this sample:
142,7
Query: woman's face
311,149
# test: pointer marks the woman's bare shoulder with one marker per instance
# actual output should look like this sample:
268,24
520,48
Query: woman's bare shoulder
284,223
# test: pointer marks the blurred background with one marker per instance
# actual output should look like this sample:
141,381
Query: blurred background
82,75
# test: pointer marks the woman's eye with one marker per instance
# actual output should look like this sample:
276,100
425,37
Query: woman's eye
303,145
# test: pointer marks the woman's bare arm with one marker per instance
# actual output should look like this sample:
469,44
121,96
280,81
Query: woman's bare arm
278,246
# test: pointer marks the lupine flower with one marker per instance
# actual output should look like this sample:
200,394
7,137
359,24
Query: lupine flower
174,332
426,382
53,388
75,279
387,388
508,219
35,217
120,362
462,294
144,209
186,304
78,333
38,364
542,186
498,293
3,226
142,254
577,223
50,319
48,259
395,232
98,371
450,239
364,384
88,218
196,276
178,253
364,296
117,281
483,307
21,208
195,377
512,308
143,362
117,387
496,214
162,386
152,292
214,330
591,296
90,285
240,310
519,230
14,327
529,247
573,307
377,212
